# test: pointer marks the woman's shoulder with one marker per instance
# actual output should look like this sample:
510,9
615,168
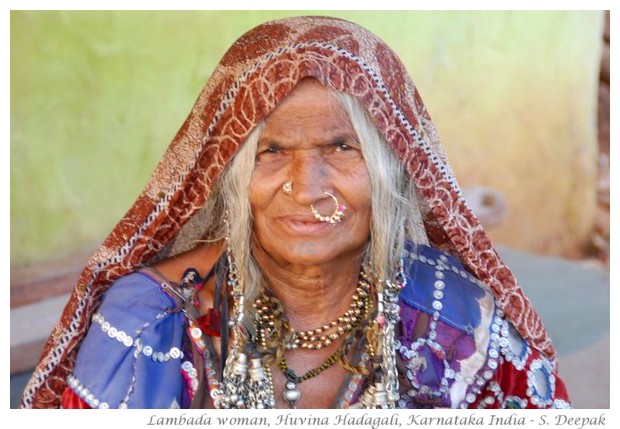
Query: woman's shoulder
157,286
438,284
202,258
139,291
134,344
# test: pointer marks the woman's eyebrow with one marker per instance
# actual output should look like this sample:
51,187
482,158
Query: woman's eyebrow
345,137
267,141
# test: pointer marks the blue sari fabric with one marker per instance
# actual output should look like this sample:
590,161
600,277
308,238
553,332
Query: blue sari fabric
136,353
133,352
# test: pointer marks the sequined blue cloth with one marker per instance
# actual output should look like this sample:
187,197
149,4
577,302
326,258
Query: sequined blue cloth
450,343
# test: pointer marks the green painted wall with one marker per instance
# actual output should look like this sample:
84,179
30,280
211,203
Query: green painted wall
97,96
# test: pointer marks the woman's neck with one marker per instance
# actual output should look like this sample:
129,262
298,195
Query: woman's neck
311,295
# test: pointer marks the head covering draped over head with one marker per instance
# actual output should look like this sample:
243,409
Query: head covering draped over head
253,77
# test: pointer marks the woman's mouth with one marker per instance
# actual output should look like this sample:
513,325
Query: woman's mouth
306,225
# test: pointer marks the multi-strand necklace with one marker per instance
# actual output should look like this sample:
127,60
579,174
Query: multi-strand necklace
268,309
370,320
318,338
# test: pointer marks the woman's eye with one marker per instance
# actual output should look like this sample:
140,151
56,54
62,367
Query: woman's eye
269,153
344,144
271,149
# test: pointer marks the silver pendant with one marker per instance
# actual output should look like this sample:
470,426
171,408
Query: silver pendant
291,394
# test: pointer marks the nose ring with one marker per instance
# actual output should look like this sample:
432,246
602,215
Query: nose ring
287,187
336,216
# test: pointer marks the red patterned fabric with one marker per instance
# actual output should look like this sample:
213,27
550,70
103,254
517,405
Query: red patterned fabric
257,72
511,384
70,400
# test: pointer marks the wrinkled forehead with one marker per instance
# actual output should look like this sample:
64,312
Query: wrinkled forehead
309,104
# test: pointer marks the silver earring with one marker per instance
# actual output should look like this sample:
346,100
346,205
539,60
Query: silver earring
287,187
336,216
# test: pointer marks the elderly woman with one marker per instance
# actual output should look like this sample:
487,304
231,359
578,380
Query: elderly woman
303,243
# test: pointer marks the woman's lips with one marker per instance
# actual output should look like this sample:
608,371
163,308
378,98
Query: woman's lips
306,225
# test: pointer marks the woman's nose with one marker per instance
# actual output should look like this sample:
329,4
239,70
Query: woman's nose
309,176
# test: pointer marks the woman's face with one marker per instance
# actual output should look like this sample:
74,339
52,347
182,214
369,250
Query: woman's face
309,140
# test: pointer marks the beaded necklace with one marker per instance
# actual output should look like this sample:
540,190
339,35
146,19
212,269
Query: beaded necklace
291,394
267,307
252,387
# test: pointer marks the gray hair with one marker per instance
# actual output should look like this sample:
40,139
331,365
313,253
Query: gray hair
396,214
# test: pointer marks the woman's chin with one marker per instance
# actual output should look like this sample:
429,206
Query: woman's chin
313,254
